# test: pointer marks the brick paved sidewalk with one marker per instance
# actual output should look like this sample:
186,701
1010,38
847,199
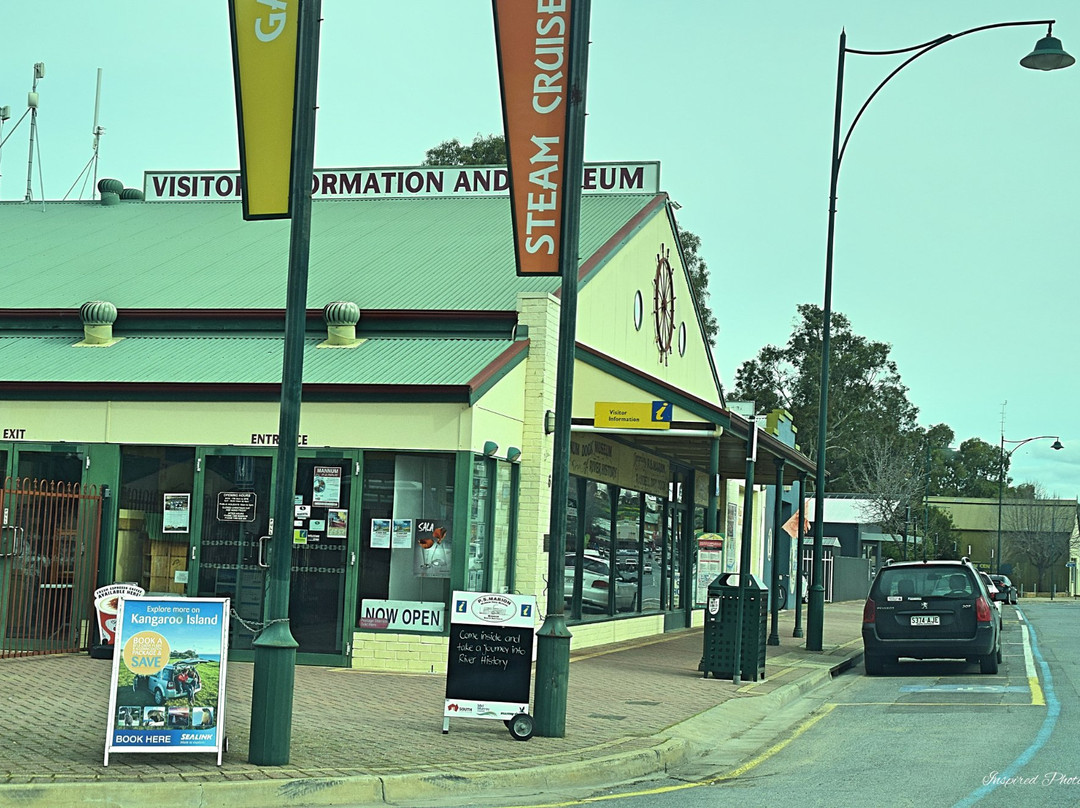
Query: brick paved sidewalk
353,724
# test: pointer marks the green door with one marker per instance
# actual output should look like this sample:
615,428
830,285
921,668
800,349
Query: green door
324,557
232,510
233,500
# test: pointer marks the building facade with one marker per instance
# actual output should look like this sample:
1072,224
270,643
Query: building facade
142,347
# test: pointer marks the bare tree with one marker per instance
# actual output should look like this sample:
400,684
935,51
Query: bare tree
1037,531
888,483
891,483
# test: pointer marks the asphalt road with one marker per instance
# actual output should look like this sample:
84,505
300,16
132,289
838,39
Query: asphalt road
930,733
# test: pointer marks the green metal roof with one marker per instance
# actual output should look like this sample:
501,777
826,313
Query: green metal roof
247,360
418,254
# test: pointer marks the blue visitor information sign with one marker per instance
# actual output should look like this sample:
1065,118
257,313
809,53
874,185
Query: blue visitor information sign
168,676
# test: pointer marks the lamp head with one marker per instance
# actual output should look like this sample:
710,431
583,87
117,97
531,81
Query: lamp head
1047,55
1056,445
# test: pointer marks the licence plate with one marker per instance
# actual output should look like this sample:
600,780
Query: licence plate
925,620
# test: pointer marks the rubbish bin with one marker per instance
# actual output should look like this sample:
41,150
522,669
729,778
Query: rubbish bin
721,625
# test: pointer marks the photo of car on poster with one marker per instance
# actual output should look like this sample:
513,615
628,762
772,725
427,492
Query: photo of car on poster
168,679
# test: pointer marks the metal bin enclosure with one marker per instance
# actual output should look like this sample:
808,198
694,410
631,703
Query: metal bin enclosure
721,618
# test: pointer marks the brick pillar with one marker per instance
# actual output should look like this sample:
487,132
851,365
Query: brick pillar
540,312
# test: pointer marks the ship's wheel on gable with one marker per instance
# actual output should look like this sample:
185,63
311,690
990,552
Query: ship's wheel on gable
664,303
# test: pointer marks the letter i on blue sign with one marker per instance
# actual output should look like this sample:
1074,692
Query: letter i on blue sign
661,411
526,610
459,607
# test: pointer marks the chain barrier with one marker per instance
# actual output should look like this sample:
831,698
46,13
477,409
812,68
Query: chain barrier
256,628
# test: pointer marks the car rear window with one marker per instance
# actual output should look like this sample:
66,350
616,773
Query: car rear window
925,582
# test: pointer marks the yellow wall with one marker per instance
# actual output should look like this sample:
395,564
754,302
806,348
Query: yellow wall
606,313
500,414
439,427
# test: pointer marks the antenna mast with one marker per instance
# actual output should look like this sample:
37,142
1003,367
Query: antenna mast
32,103
98,131
5,114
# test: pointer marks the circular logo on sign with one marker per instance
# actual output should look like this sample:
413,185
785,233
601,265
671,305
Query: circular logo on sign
146,653
494,608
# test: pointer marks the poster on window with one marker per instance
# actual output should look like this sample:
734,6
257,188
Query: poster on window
327,486
380,534
431,558
402,534
337,523
167,690
177,514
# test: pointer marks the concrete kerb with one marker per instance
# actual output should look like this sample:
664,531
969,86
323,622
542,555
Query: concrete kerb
714,726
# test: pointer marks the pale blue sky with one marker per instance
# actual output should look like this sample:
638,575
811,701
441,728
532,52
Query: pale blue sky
956,239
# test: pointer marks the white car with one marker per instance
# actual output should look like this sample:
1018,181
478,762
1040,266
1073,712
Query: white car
596,582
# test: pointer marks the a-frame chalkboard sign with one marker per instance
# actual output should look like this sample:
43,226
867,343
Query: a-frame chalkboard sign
489,662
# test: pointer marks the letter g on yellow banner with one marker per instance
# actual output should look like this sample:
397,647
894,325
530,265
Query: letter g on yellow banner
264,43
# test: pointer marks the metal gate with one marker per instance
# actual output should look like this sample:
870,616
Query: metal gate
49,537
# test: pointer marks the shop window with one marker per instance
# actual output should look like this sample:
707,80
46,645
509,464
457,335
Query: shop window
406,520
154,527
630,559
502,528
492,526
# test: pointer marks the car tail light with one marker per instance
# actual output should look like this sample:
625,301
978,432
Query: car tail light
982,610
600,583
869,611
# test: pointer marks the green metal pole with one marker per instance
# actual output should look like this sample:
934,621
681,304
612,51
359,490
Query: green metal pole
815,614
1001,496
714,478
778,515
798,630
744,551
275,648
553,638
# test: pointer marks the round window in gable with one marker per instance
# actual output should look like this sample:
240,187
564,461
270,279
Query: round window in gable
639,310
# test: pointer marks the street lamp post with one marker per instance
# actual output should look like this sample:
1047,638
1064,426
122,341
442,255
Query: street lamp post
1047,55
1002,457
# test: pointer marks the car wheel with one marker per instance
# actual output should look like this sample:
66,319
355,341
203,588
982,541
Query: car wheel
875,665
989,663
159,697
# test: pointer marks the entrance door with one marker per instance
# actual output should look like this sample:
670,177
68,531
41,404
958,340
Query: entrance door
322,559
233,492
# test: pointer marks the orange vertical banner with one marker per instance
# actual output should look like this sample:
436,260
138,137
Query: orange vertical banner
264,43
532,39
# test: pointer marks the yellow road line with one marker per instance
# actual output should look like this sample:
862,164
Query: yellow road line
1037,696
732,775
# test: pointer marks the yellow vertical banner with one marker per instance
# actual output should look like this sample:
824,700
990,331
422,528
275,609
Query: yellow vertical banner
532,39
264,42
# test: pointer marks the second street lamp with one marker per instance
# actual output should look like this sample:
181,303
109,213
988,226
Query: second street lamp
1002,457
1047,55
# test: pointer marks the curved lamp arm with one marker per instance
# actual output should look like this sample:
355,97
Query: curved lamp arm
1055,438
922,49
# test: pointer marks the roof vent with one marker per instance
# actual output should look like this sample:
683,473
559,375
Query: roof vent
341,318
98,317
110,186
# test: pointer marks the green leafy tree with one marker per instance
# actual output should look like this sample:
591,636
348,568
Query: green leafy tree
491,150
867,399
483,151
